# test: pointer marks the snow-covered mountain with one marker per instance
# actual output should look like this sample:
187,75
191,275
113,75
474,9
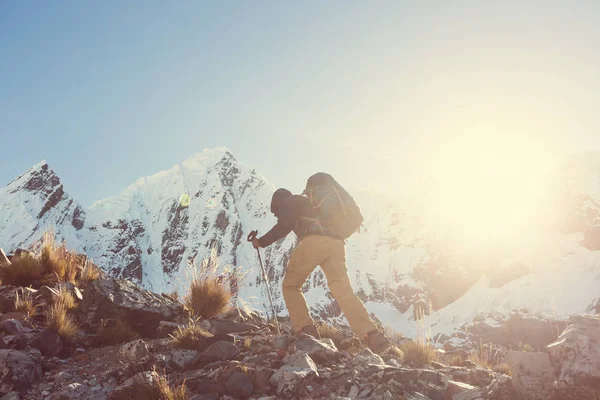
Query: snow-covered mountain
397,264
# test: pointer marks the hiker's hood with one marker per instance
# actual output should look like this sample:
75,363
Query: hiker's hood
277,200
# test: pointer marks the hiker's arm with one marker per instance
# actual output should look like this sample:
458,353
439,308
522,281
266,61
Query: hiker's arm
279,231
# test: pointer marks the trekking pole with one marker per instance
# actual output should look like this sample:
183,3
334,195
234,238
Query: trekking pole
252,236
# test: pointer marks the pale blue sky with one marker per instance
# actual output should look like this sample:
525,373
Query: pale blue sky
108,91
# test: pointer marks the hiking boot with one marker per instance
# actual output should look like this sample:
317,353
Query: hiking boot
312,331
378,342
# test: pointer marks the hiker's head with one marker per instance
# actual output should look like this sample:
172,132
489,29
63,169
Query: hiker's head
277,200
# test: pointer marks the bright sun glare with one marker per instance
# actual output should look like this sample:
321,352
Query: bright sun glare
487,190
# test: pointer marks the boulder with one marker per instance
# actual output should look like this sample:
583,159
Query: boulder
366,356
297,368
225,326
48,343
133,351
240,385
18,371
575,356
219,351
320,351
180,358
532,374
455,388
11,327
140,308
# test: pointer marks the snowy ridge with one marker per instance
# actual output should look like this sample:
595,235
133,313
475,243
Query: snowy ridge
154,228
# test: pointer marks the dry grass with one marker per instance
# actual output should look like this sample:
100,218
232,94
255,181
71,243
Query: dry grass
64,298
24,303
61,323
418,353
486,356
155,388
113,332
54,265
60,265
24,271
89,273
455,360
191,337
209,294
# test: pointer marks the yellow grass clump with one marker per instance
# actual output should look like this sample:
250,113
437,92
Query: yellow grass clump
209,294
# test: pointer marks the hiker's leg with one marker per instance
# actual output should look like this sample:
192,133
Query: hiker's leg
338,281
306,256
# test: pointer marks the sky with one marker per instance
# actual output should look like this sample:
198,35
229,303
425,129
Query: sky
376,93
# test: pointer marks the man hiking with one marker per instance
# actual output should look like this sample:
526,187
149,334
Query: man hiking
318,244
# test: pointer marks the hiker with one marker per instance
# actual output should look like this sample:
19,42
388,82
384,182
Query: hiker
318,244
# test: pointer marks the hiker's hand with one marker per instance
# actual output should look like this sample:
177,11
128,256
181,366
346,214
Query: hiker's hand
255,243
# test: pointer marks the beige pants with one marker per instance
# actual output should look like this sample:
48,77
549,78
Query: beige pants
330,254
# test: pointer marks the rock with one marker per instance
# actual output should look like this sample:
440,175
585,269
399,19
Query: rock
282,341
165,328
71,288
502,389
225,326
262,377
3,258
219,351
575,356
133,351
11,396
48,343
473,394
11,327
319,350
73,391
532,374
455,388
181,358
18,371
368,357
298,367
240,385
143,310
208,396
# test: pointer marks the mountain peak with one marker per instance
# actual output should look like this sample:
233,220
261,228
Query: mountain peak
40,177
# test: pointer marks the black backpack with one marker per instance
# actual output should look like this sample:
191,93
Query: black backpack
338,213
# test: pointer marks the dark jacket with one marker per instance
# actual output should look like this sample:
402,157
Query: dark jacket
289,209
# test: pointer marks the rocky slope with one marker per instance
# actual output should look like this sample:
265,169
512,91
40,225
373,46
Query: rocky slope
240,357
398,263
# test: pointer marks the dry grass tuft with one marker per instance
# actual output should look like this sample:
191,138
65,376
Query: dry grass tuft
455,360
24,271
113,332
60,265
209,293
24,303
89,273
151,386
54,265
486,356
61,323
64,298
418,353
191,337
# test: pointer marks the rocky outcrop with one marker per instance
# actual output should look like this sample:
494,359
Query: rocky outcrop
575,356
116,298
18,371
